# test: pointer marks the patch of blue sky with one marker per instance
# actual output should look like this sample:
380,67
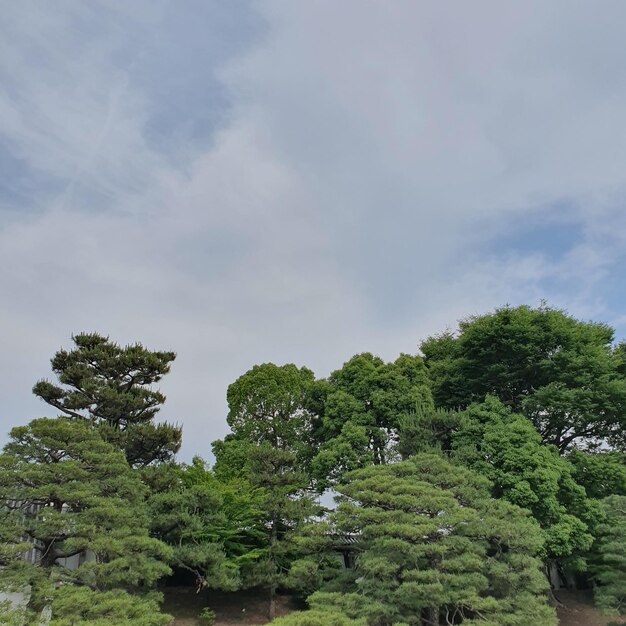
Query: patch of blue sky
22,187
177,70
552,235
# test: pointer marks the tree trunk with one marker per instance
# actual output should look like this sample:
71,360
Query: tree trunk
430,616
273,542
272,611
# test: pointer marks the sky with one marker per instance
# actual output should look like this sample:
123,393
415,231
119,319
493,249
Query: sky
299,181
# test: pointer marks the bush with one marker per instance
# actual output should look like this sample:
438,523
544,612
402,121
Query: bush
207,616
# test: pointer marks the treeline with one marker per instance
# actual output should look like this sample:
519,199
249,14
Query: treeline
469,480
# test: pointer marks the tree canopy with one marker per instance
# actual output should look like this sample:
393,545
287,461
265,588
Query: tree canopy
362,405
71,494
432,546
562,373
111,386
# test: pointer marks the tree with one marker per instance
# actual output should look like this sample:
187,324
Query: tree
610,556
363,402
111,386
269,404
601,473
69,494
562,373
213,527
433,548
286,506
505,448
270,446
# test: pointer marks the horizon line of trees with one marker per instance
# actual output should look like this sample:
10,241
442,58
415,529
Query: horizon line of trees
469,480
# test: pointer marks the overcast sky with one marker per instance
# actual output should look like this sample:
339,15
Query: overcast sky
299,180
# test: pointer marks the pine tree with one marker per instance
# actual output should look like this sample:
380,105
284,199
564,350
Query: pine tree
609,567
111,386
68,493
433,548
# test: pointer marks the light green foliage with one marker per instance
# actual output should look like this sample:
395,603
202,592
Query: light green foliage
359,415
317,618
80,606
432,541
70,491
13,616
560,372
610,556
111,386
207,616
601,474
506,448
232,458
214,527
269,404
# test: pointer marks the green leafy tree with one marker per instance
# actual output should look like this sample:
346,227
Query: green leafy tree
601,473
270,446
269,404
213,527
610,557
562,373
362,403
286,506
69,493
506,448
111,386
433,548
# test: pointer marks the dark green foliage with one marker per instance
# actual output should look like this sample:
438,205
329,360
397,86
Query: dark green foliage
363,403
286,505
111,386
426,428
432,544
270,447
213,527
610,556
506,448
601,474
560,372
69,491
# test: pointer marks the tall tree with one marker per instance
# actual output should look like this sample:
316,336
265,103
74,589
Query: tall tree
69,493
270,446
433,548
111,386
362,404
269,403
286,506
562,373
506,448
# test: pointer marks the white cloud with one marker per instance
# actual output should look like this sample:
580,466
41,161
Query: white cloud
347,202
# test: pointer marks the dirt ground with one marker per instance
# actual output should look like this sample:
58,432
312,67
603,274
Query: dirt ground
242,608
577,610
249,608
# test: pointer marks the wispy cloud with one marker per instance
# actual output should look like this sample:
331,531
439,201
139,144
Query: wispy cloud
299,181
